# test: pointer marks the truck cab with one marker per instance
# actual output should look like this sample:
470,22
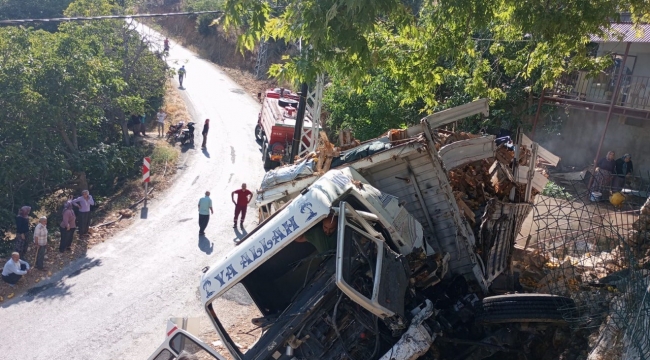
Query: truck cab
300,294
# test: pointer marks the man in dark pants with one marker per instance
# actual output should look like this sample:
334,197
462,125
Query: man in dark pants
624,169
205,209
83,202
243,198
14,269
206,128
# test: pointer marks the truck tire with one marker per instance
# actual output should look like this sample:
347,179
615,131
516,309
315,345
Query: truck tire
517,308
268,163
259,133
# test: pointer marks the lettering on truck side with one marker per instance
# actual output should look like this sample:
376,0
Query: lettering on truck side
225,275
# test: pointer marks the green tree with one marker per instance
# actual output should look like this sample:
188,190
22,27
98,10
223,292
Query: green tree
411,40
64,100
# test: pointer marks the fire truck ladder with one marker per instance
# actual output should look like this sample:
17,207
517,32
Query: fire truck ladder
262,56
310,135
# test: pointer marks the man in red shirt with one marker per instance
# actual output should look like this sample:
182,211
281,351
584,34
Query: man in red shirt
243,198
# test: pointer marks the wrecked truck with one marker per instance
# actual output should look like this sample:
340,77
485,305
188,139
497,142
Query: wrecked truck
408,275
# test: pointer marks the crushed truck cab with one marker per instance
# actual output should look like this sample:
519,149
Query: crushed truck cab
373,252
379,255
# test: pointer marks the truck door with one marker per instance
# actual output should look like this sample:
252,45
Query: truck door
179,340
367,270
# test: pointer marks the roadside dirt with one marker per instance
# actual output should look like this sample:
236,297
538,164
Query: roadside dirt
113,213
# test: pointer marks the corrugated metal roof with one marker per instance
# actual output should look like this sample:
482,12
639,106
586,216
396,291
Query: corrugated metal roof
625,32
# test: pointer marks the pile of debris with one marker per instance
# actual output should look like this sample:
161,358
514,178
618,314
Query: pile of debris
479,181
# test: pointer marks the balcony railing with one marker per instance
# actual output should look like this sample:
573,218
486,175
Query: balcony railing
634,90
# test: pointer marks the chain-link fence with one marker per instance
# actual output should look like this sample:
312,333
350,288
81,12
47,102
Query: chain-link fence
582,246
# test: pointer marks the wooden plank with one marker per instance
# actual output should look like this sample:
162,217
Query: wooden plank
541,152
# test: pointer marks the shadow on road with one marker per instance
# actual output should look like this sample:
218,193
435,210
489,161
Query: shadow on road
56,288
239,235
205,245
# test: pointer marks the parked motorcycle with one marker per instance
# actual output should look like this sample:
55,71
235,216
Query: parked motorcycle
175,130
187,135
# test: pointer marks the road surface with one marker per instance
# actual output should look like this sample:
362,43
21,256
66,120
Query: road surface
114,303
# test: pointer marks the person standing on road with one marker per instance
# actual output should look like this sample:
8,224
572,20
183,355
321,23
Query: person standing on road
84,202
166,45
160,122
243,198
14,269
40,239
205,209
67,226
206,128
22,231
181,75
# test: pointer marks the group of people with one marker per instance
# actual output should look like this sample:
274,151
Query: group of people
16,267
244,197
610,173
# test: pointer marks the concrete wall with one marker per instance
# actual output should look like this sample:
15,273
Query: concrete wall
578,140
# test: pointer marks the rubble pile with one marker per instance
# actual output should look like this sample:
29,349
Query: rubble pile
477,182
638,236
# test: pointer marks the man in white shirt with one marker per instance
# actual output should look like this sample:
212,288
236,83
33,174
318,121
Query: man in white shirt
14,269
160,122
40,239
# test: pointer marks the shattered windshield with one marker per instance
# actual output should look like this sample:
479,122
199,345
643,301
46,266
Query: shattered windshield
236,312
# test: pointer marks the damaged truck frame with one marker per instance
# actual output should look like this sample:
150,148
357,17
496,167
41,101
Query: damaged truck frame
404,268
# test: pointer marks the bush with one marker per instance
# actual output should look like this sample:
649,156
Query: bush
203,21
556,191
161,155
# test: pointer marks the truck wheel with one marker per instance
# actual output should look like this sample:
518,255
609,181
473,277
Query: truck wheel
259,133
268,163
516,308
265,149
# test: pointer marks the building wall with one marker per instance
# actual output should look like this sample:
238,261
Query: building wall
640,50
578,140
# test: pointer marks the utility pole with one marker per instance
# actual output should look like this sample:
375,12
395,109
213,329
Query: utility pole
300,117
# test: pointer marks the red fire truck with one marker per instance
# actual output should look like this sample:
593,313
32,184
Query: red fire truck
275,126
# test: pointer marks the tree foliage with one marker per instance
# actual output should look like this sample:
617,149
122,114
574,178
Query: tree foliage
426,45
204,21
65,97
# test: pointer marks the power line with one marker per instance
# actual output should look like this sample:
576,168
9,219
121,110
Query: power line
105,17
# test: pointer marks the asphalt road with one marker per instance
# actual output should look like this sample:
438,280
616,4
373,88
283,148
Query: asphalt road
114,303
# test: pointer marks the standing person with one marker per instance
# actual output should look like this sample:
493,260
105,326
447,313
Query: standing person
624,169
22,231
14,269
40,240
83,202
206,128
205,209
160,122
143,125
67,226
134,122
243,198
605,167
166,45
181,75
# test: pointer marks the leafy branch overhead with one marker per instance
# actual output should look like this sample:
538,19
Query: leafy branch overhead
424,44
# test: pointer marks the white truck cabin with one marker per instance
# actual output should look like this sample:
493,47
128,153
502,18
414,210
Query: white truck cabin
272,267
